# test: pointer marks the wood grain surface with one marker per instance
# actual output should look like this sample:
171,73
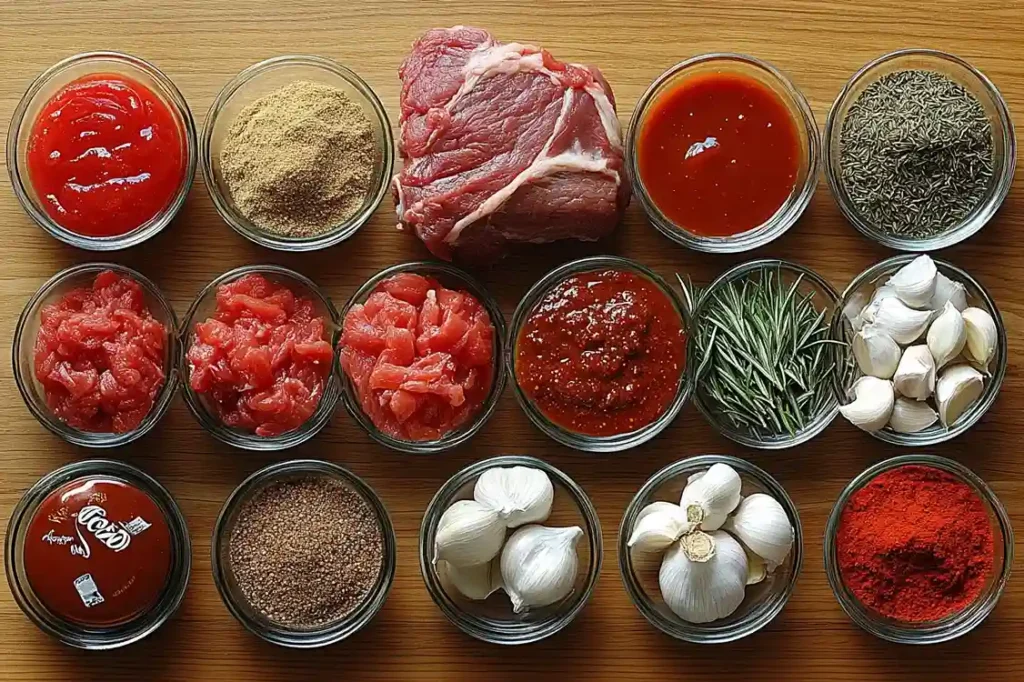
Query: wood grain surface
200,44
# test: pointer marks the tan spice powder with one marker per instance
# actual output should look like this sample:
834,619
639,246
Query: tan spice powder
299,161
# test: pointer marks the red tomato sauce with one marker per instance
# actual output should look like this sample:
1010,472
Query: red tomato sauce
602,353
105,156
718,154
419,355
99,356
98,552
263,359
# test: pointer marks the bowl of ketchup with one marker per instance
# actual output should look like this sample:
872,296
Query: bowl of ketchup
102,151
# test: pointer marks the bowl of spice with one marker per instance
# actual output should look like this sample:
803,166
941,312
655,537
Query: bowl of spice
102,151
760,347
919,150
95,355
258,358
597,349
922,352
297,152
420,357
723,153
97,554
918,550
710,549
510,550
303,553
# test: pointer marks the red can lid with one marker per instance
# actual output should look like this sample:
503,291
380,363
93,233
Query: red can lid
98,552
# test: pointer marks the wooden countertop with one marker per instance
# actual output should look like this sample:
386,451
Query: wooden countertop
200,44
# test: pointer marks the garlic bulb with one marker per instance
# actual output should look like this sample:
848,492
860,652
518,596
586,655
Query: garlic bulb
710,496
655,531
880,294
653,507
956,390
982,337
948,291
757,568
915,282
468,533
761,524
915,376
911,416
539,565
703,577
519,494
474,582
947,335
872,403
854,307
904,324
876,353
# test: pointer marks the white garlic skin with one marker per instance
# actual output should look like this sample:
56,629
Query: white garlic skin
947,335
854,307
915,282
519,494
468,533
871,309
956,390
710,496
915,376
539,565
761,524
876,353
948,291
911,416
872,403
476,582
656,530
653,507
982,337
704,591
901,322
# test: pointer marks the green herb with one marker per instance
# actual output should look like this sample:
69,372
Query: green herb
916,153
762,357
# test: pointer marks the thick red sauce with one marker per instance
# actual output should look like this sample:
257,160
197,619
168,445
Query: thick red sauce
98,552
602,353
263,359
99,356
719,154
105,155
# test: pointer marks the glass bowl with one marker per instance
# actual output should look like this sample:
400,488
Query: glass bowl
1004,156
558,433
811,282
45,86
231,593
23,351
846,368
948,628
807,131
77,635
202,309
492,620
763,601
452,277
260,80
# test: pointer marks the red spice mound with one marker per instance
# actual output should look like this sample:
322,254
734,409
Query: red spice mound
420,356
915,544
262,360
99,356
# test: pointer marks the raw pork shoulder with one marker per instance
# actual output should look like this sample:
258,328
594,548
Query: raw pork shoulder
502,143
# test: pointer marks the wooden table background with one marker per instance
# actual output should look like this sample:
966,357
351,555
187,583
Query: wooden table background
200,44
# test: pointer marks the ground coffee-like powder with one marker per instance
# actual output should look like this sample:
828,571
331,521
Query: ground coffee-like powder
299,161
306,552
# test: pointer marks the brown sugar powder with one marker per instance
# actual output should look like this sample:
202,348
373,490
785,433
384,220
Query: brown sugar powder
299,161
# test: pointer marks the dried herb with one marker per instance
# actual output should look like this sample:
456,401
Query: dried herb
915,153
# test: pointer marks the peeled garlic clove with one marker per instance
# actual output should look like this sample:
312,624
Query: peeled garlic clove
473,582
947,335
655,531
956,390
876,353
915,376
703,577
519,494
539,565
853,308
468,533
982,337
915,282
708,499
904,324
761,524
911,416
872,403
948,291
881,293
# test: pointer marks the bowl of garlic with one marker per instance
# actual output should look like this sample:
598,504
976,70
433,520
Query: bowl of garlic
710,549
922,354
510,549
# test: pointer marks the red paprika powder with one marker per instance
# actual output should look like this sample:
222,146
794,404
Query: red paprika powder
915,544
